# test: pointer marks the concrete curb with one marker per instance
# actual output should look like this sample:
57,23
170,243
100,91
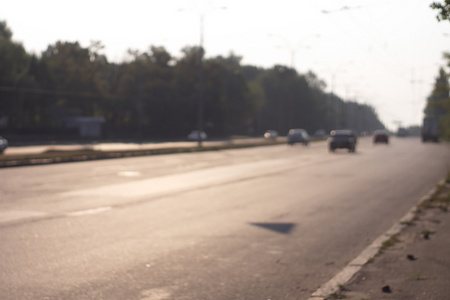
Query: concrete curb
346,274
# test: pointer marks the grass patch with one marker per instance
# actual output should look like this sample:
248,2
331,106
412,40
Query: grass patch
426,233
408,223
443,202
337,295
390,242
439,199
416,276
425,205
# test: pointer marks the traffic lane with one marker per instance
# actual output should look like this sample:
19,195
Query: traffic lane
182,247
137,236
38,190
222,229
45,191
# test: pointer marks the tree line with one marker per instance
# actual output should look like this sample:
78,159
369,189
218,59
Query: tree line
438,102
155,95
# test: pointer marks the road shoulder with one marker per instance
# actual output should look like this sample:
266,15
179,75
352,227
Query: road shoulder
416,266
409,261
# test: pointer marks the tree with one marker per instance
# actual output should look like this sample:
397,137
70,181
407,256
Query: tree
438,103
290,100
72,74
14,79
154,95
443,10
229,106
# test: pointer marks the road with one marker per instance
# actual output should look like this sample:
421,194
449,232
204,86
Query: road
271,222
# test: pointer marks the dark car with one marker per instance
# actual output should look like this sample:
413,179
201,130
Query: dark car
298,136
381,136
402,132
430,129
342,139
3,144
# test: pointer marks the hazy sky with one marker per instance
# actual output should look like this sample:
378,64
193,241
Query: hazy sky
386,53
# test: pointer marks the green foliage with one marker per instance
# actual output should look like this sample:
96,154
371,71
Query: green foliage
389,243
14,67
443,9
416,276
438,103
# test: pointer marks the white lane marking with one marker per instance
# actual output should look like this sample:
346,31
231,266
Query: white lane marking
155,294
184,181
129,174
89,211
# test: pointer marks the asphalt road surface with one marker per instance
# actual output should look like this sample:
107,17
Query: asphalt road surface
271,222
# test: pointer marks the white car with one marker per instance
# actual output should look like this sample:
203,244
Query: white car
271,135
197,135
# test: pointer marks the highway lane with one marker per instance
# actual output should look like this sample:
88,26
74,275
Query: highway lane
262,223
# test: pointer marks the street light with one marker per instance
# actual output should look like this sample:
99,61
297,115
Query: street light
343,8
292,49
201,92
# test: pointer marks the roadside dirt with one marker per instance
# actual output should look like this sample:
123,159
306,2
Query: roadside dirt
416,265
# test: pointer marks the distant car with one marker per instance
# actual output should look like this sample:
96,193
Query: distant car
298,136
197,135
430,129
402,132
342,139
3,144
271,135
381,136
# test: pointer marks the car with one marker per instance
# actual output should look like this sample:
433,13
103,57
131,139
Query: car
271,135
197,135
3,144
298,135
402,132
342,139
430,129
381,136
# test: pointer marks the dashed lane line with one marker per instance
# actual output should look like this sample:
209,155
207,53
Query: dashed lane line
89,211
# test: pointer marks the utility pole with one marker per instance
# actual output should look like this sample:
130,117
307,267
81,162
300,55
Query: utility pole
201,91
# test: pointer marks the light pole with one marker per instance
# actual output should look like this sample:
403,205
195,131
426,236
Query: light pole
292,49
201,92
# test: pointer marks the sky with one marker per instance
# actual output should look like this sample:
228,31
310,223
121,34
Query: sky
385,53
